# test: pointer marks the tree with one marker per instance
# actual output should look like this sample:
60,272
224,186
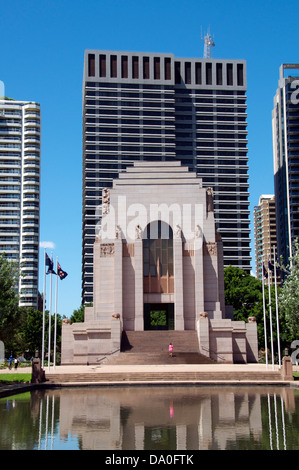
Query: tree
10,313
245,293
289,296
78,315
32,331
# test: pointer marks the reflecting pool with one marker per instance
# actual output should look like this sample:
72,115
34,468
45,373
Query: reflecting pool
152,418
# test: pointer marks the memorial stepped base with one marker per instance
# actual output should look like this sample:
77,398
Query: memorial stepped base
164,377
150,348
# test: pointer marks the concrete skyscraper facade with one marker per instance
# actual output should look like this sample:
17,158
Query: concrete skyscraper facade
264,233
20,192
156,107
285,126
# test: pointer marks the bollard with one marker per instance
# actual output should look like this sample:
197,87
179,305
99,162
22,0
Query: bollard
287,369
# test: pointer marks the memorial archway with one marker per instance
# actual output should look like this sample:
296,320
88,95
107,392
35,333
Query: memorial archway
158,275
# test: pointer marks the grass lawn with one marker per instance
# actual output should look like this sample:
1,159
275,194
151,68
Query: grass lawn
14,378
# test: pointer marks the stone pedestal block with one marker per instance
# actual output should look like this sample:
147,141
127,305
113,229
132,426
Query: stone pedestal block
287,369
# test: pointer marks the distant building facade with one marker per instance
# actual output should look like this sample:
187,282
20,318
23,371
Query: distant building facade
285,125
156,107
157,249
20,127
264,233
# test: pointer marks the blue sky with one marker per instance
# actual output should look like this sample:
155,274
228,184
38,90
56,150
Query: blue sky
42,49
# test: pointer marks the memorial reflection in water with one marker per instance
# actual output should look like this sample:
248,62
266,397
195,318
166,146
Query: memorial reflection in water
155,418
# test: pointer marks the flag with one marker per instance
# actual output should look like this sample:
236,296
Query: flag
265,274
49,263
270,266
62,274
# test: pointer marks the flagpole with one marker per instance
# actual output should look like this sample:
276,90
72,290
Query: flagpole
55,324
44,310
277,315
50,312
265,323
270,312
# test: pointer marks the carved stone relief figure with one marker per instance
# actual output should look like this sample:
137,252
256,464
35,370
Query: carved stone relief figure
210,200
107,249
105,201
117,232
178,232
98,234
198,232
138,232
210,248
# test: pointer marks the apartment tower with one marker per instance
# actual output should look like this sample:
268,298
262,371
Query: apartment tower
264,233
156,107
20,192
285,125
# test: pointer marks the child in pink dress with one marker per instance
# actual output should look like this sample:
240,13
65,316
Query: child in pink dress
170,349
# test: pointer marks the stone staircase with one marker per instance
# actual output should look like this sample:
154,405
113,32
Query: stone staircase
151,347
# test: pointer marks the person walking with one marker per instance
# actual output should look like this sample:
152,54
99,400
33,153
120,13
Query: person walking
16,362
170,349
10,362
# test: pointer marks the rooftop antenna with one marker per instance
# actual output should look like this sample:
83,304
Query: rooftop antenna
209,43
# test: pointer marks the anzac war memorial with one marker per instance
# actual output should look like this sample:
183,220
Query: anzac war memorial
158,275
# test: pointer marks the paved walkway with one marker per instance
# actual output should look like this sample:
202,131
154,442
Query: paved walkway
104,368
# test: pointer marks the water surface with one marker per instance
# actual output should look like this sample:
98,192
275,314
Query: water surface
152,418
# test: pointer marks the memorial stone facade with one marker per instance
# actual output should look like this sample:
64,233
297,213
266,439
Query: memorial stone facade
158,263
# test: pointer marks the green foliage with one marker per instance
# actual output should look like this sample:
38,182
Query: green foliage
78,315
10,313
158,318
245,293
289,295
15,377
31,333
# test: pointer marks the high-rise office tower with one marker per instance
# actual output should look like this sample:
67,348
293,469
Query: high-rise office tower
156,107
264,233
285,125
20,192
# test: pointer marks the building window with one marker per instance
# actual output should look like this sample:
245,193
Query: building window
198,73
91,65
167,68
157,68
208,73
135,65
240,79
219,74
113,66
102,65
158,258
177,71
229,74
188,72
146,72
124,67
